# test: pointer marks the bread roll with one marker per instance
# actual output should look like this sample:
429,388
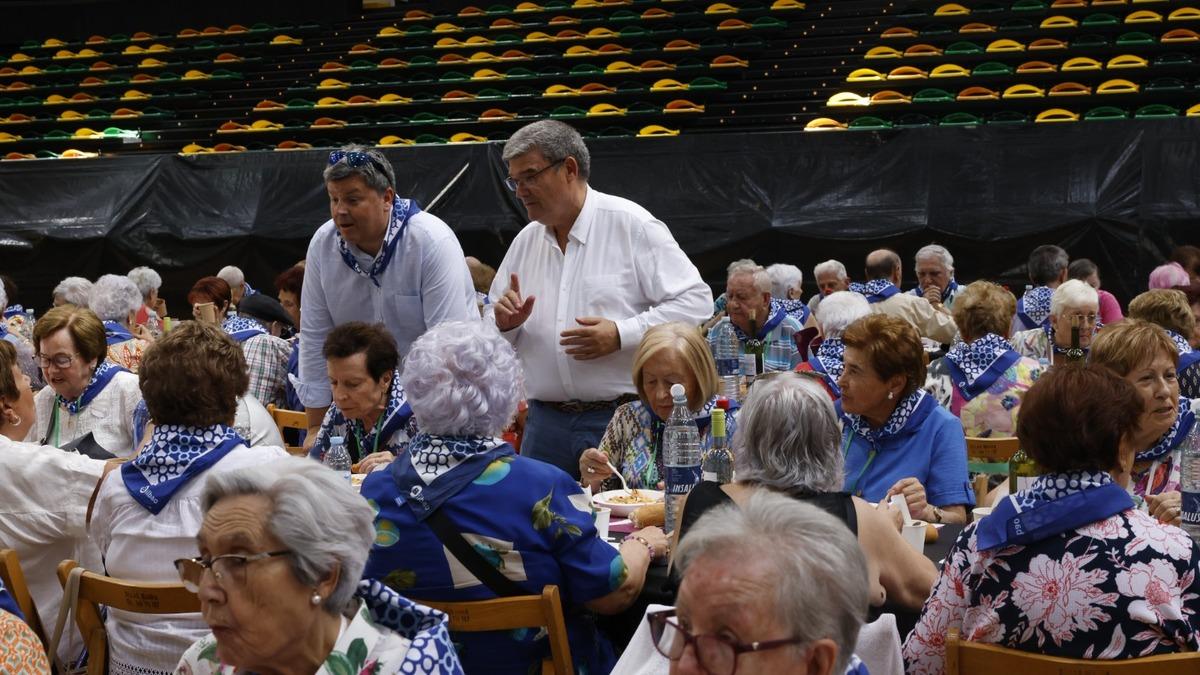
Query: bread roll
651,514
931,533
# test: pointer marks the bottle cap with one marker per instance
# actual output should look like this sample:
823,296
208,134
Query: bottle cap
678,393
337,440
722,403
718,422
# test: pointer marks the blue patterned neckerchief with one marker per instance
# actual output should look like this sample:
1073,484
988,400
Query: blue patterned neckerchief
830,361
777,315
856,667
13,310
947,293
425,627
100,379
241,328
797,309
115,333
1184,421
875,290
1053,504
896,422
1055,349
402,211
1033,308
174,456
1187,355
976,366
438,467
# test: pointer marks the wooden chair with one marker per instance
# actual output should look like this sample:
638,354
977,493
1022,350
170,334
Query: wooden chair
96,589
986,456
14,581
289,419
976,658
526,611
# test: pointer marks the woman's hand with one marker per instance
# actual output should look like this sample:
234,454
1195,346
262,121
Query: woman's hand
657,540
593,468
141,332
914,496
1166,507
374,461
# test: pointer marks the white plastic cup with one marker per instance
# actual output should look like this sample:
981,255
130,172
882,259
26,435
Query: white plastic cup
602,516
979,512
914,534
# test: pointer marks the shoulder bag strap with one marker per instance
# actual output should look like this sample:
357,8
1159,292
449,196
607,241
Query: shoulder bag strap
466,554
70,598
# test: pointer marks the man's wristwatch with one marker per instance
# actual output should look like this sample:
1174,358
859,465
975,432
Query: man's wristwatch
937,515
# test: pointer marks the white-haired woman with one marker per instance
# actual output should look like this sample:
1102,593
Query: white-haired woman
1074,304
525,518
837,311
286,543
116,300
789,444
759,595
787,286
72,291
153,308
670,353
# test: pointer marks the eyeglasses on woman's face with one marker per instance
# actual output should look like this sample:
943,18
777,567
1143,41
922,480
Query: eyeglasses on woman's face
229,570
715,654
58,360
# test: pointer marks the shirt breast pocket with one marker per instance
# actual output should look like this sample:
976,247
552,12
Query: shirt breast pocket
605,294
408,308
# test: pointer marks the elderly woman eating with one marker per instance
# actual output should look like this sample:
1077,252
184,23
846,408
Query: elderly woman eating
836,311
148,513
282,549
671,353
896,439
1068,567
460,489
1143,355
789,444
115,299
775,586
981,379
1074,305
369,412
87,395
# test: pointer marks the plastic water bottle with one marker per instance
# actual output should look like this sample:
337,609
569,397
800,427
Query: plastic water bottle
718,461
337,458
681,455
726,351
747,371
1189,485
27,327
779,352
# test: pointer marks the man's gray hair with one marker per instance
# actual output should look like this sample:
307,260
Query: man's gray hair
1073,293
376,172
113,297
232,276
840,309
145,279
555,140
784,278
1046,263
831,265
74,290
462,379
788,435
936,252
816,565
314,513
760,277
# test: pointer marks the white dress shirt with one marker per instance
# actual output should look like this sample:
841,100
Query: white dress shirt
109,417
426,282
621,264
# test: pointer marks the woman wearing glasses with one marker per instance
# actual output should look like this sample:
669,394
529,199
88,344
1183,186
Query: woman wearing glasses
147,514
87,394
1074,303
282,550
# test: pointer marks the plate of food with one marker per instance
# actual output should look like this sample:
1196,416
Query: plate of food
624,502
356,480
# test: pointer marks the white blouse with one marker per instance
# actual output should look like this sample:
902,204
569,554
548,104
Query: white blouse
109,417
141,546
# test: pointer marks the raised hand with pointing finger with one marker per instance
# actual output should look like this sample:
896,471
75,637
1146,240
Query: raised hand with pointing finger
511,309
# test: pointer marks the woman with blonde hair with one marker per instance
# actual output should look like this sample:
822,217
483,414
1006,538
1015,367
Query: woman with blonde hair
670,353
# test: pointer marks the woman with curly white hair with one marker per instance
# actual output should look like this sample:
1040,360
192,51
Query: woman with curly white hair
153,308
515,524
116,300
72,291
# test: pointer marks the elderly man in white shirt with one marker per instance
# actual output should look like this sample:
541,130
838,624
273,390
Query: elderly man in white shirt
932,320
379,259
578,288
935,276
831,277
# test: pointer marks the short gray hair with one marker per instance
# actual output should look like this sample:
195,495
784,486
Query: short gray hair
74,290
555,140
788,436
232,276
1046,263
462,379
376,172
831,265
759,276
936,251
1073,293
314,513
113,297
817,566
145,279
784,278
840,309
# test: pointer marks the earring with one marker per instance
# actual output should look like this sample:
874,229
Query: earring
315,599
891,395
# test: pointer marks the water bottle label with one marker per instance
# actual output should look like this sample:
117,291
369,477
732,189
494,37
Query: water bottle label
1190,508
710,476
681,479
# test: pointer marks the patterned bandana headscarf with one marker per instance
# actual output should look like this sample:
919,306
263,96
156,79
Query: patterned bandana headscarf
241,328
174,456
977,365
1034,307
115,333
1175,435
402,211
895,422
100,379
875,290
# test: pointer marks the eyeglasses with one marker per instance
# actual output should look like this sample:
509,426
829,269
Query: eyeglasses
716,655
514,183
229,570
355,160
58,360
1083,318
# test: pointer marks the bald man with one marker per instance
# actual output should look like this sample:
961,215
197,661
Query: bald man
883,269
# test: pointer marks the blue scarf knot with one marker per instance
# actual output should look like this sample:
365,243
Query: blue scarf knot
976,366
104,374
174,456
402,211
115,333
875,290
1033,308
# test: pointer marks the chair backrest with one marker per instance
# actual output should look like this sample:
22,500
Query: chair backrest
289,419
994,450
975,658
526,611
14,581
130,596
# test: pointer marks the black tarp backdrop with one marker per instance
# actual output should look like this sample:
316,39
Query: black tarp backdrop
1121,193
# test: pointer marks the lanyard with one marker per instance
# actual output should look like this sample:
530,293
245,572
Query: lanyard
870,458
54,426
378,426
